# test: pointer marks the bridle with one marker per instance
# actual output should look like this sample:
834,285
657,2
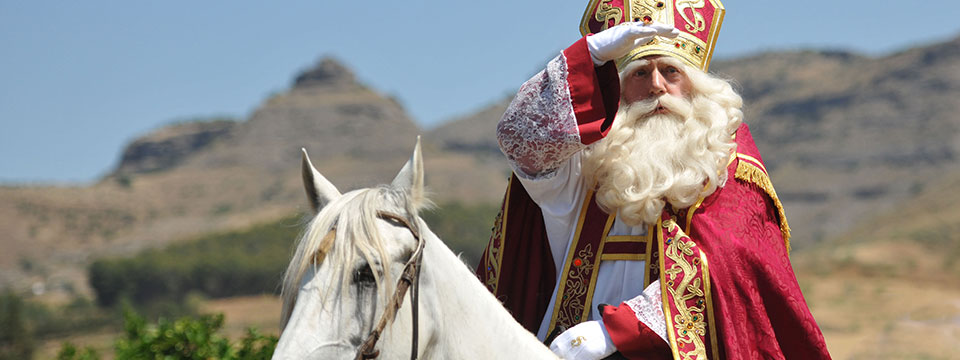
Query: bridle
410,277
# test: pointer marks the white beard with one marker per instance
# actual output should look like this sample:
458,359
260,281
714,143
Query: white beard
650,159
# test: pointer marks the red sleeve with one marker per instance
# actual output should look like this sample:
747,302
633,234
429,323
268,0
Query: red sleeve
594,92
633,339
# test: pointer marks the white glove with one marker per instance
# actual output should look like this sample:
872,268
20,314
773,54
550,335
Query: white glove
586,340
617,41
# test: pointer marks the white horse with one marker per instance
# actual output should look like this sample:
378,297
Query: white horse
346,269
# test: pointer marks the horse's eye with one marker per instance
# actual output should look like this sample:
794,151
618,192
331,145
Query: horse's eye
364,276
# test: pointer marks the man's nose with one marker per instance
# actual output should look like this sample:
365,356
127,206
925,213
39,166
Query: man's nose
657,83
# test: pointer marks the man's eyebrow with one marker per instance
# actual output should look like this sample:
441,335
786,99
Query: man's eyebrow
672,62
639,63
634,65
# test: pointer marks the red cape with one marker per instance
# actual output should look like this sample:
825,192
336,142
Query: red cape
757,310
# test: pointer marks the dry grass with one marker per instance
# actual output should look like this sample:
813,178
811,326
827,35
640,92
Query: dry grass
885,318
260,312
890,289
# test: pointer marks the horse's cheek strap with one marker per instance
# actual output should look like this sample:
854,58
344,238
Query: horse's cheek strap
414,297
410,277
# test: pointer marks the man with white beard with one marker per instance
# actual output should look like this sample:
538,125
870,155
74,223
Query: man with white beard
643,188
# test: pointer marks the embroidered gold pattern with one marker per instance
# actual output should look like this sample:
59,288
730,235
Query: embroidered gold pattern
575,287
607,12
492,265
575,290
698,32
697,24
646,10
685,283
494,255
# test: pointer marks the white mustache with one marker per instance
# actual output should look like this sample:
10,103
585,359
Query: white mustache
678,106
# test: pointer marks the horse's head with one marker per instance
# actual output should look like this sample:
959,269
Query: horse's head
347,265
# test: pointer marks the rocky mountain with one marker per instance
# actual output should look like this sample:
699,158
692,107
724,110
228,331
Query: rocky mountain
168,147
195,177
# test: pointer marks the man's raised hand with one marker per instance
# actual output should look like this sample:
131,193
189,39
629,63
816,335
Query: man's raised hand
617,41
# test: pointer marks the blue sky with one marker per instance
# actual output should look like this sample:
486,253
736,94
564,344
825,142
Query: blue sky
79,80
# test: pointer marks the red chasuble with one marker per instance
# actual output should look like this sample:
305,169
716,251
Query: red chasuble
729,291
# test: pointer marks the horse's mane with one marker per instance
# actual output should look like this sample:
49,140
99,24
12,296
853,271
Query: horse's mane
344,229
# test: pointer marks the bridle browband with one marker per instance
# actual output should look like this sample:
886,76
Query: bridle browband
410,277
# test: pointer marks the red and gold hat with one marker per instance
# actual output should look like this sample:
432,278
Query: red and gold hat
698,21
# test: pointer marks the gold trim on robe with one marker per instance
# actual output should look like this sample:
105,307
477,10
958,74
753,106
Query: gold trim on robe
685,287
579,274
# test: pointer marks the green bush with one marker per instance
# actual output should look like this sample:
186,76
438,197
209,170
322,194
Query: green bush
186,338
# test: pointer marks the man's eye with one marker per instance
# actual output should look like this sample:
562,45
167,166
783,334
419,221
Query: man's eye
641,73
672,70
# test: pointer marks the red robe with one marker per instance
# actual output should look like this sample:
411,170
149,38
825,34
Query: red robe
728,288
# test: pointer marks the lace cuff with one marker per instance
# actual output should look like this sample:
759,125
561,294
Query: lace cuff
648,307
538,132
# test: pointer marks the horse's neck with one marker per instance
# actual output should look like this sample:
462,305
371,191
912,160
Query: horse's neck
473,323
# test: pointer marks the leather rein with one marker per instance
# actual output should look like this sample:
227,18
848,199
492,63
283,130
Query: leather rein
410,277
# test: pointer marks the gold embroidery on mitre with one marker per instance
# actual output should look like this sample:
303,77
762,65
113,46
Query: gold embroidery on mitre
647,10
689,16
607,12
697,24
684,281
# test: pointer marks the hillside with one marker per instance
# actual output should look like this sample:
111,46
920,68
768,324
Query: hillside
888,288
846,138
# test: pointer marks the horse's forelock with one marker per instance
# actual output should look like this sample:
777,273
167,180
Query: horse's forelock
350,219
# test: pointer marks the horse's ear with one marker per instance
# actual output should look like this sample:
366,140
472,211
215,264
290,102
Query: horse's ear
319,190
410,177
